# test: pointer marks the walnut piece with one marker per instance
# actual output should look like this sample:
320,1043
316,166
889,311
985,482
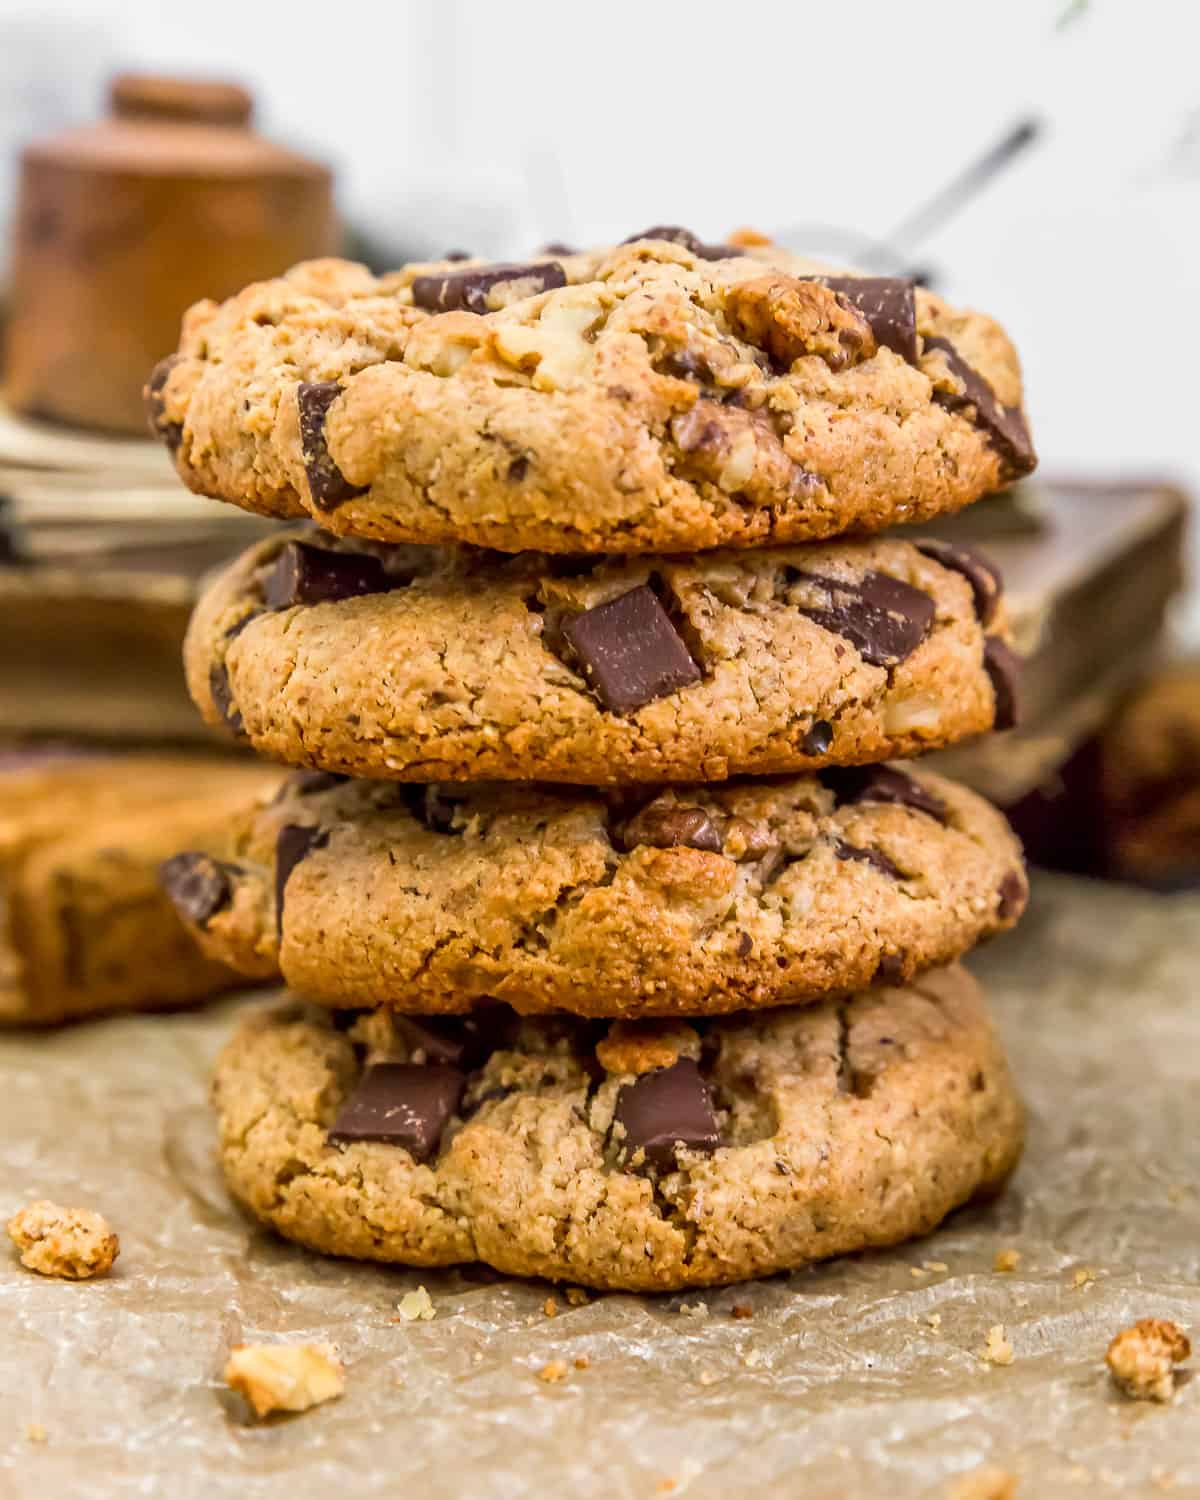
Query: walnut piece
71,1242
790,318
646,1046
1142,1358
285,1377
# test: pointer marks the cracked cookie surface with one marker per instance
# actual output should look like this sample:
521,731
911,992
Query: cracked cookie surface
420,664
688,900
770,1141
661,395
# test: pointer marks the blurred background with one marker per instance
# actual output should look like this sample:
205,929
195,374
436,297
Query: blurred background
1038,159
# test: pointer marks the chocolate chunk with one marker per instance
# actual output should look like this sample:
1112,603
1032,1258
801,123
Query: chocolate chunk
199,885
441,1038
888,304
432,806
471,291
882,863
309,783
401,1104
295,841
666,1110
327,484
670,827
980,572
1010,898
1003,667
556,247
818,737
745,945
1004,426
890,970
884,618
458,255
677,235
630,652
881,784
222,696
156,408
314,575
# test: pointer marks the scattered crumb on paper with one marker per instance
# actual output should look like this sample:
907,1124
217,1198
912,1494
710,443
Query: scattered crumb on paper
73,1243
996,1349
285,1377
553,1372
1006,1260
416,1306
988,1482
1142,1358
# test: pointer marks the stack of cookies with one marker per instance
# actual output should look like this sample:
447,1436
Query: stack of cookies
623,959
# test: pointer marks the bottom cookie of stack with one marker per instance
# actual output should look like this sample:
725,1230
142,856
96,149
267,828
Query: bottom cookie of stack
642,1156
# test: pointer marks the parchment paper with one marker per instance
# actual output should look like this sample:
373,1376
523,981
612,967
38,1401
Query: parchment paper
843,1383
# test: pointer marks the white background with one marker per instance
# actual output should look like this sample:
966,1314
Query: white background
497,124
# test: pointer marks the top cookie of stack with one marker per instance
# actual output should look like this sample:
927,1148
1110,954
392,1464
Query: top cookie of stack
663,395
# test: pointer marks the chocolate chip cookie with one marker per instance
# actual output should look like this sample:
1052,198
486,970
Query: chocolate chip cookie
85,925
639,1156
421,664
689,900
662,395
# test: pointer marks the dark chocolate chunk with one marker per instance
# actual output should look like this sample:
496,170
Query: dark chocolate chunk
309,783
890,970
818,737
470,291
881,784
1003,667
222,696
1004,426
630,652
458,255
677,235
980,572
1010,898
327,484
401,1104
745,945
556,247
432,805
882,863
442,1039
156,408
199,885
295,841
888,305
884,618
314,575
666,826
665,1110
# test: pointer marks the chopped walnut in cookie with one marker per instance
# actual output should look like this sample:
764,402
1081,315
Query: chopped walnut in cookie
790,318
285,1377
1142,1358
74,1243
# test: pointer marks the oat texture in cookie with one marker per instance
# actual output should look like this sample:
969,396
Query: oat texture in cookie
719,1151
425,664
690,899
660,395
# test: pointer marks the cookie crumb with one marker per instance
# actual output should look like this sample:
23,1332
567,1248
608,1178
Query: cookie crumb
917,1271
73,1243
742,1310
285,1377
1083,1277
577,1297
416,1306
997,1350
1006,1260
35,1432
1142,1358
581,1362
550,1307
694,1309
935,1265
988,1482
553,1372
934,1320
752,1360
